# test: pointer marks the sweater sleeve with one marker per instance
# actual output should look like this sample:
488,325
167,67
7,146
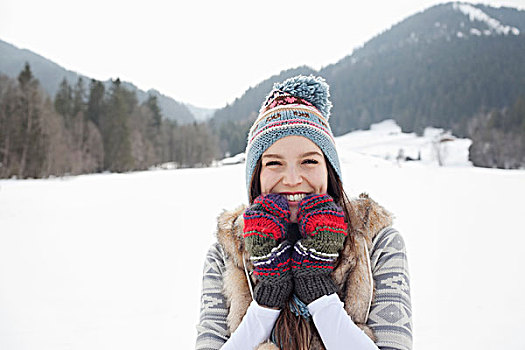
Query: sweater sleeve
212,330
391,311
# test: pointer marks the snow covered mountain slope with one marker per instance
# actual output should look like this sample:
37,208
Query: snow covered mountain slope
493,26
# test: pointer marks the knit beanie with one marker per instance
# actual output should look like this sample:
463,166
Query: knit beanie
298,106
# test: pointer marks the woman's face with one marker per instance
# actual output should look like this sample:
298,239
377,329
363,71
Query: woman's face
294,166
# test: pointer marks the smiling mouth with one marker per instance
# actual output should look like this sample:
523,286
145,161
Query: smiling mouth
297,197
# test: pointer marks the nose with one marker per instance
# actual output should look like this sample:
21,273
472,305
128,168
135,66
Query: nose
292,176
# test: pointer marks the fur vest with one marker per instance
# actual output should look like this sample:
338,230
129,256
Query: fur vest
352,273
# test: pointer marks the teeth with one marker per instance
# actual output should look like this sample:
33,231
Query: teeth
295,197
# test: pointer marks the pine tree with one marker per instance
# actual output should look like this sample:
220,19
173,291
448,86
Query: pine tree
156,119
30,138
64,101
26,76
79,98
95,107
115,130
8,127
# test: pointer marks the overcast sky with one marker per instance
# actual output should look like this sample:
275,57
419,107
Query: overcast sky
203,52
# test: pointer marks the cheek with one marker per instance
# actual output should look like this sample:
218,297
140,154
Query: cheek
268,181
319,181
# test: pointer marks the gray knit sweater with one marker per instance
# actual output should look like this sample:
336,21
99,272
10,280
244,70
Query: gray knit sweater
390,314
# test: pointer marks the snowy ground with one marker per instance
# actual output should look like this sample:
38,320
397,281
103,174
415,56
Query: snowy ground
114,261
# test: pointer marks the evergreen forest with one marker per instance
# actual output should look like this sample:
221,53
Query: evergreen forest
87,128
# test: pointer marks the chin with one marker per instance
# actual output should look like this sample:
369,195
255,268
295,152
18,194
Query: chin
293,215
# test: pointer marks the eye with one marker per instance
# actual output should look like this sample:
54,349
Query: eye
310,161
272,163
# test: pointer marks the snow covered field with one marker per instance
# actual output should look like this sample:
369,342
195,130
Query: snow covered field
114,261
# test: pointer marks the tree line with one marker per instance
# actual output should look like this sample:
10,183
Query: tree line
87,128
498,137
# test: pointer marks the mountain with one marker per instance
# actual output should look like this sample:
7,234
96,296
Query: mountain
439,67
231,123
436,68
50,74
247,106
201,114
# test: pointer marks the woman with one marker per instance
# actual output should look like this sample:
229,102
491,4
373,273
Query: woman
303,267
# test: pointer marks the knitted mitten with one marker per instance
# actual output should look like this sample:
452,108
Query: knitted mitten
265,226
323,228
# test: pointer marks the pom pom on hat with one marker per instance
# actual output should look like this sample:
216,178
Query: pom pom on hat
313,89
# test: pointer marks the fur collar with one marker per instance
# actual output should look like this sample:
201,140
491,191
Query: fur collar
352,274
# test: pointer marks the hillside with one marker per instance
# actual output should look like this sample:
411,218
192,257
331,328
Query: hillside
247,106
50,75
441,67
436,68
231,123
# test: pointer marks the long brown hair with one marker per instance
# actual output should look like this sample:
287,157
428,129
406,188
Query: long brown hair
291,331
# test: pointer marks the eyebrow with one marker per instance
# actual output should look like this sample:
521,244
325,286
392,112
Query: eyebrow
312,153
307,154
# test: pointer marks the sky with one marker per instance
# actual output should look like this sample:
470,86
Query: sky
202,52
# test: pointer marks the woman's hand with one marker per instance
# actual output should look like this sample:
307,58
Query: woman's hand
266,224
323,230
